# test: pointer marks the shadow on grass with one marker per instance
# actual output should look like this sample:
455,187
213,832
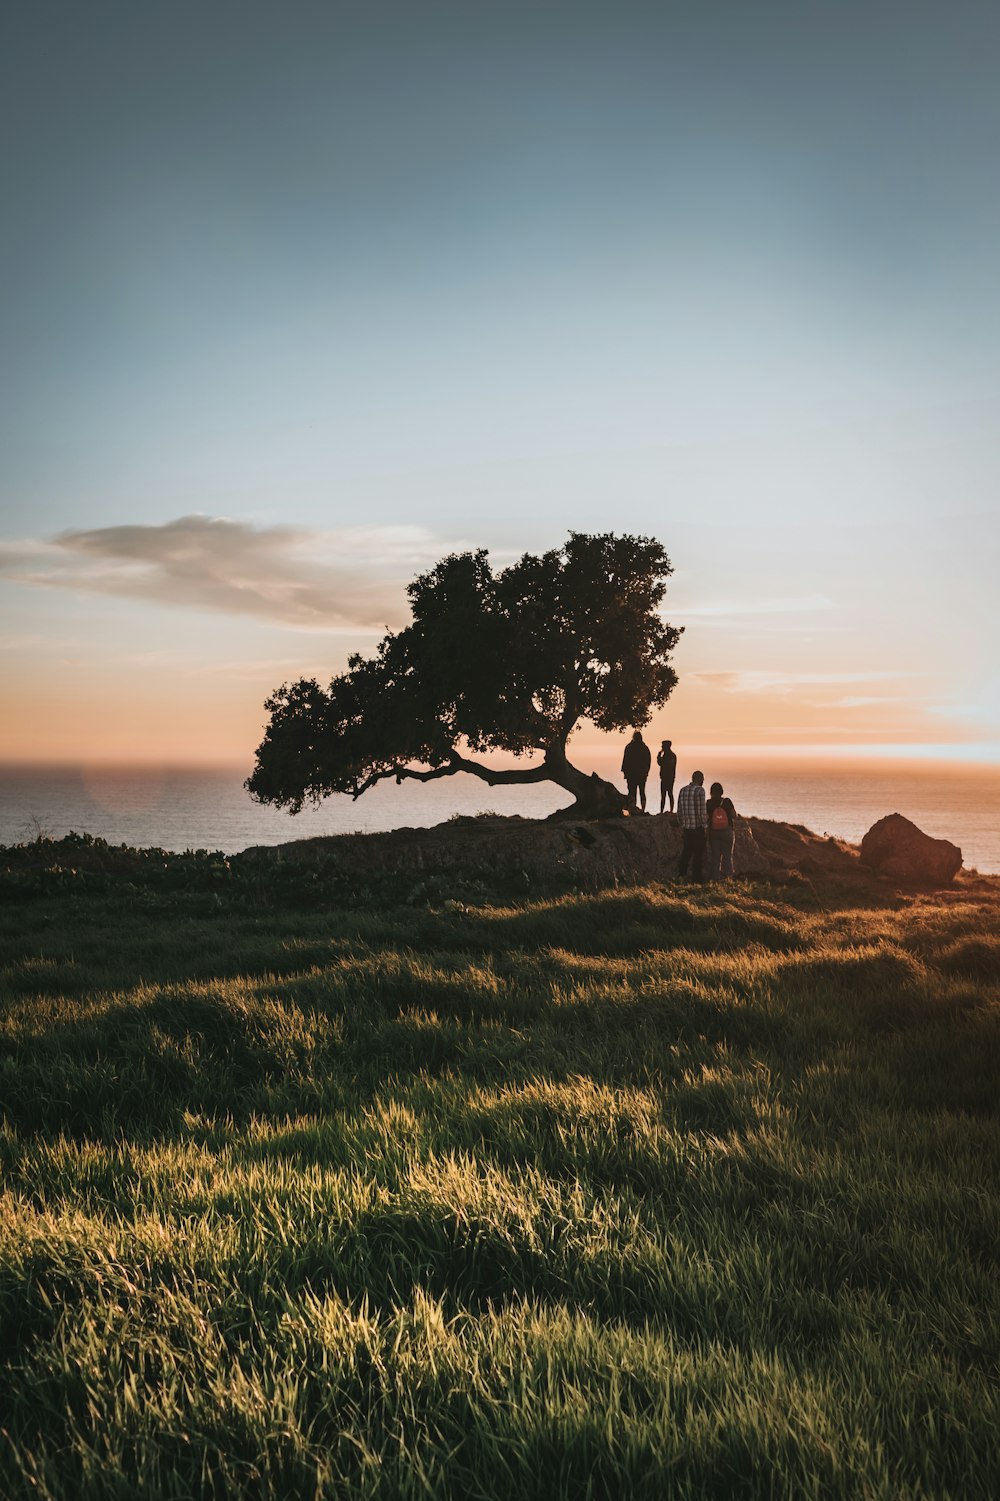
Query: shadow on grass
139,1069
71,946
633,923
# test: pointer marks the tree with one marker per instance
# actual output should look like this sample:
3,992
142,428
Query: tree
492,661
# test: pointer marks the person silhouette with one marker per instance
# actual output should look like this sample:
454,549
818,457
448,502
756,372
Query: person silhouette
635,768
666,760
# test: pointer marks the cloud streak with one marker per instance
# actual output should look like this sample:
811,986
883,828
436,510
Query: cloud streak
726,610
348,580
788,683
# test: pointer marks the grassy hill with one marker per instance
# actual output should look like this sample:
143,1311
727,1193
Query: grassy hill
314,1188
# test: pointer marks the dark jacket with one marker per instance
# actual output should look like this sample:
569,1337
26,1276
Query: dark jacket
636,761
667,762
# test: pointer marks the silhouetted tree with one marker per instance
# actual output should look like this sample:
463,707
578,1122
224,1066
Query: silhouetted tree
507,661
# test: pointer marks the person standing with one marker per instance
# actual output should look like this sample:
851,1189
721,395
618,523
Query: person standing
635,768
721,817
666,760
693,821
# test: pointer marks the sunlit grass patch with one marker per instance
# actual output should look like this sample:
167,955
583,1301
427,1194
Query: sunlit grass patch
662,1189
634,921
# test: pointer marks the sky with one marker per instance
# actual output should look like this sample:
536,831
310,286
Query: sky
295,300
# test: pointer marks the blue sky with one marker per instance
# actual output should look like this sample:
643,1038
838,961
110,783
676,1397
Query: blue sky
395,279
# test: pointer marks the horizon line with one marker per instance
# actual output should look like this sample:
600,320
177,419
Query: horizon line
966,753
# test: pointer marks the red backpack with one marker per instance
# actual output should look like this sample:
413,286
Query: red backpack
720,818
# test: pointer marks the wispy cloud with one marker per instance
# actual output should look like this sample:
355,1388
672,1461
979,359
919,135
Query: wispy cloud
250,670
732,609
787,683
860,700
353,579
27,641
256,671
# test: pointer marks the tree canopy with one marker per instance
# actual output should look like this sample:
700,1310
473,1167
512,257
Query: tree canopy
507,660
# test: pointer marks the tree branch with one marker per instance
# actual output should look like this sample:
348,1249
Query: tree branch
493,776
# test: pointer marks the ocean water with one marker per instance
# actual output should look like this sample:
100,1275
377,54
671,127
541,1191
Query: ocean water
185,808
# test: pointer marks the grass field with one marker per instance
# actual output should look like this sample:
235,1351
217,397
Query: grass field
652,1192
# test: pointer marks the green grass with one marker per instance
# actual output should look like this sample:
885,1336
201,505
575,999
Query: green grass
649,1192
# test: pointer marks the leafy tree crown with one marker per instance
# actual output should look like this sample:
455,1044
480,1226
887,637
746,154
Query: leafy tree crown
507,660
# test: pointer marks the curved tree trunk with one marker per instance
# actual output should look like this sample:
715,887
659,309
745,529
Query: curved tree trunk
595,798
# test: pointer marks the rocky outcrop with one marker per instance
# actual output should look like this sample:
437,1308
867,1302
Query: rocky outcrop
630,850
901,852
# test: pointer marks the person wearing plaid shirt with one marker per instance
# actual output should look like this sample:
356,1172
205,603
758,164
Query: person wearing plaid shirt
693,820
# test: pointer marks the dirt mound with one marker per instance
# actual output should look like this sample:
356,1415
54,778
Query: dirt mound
792,847
483,854
626,850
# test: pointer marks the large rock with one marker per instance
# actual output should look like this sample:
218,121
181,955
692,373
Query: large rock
896,848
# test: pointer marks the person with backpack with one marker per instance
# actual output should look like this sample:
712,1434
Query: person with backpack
666,760
721,833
